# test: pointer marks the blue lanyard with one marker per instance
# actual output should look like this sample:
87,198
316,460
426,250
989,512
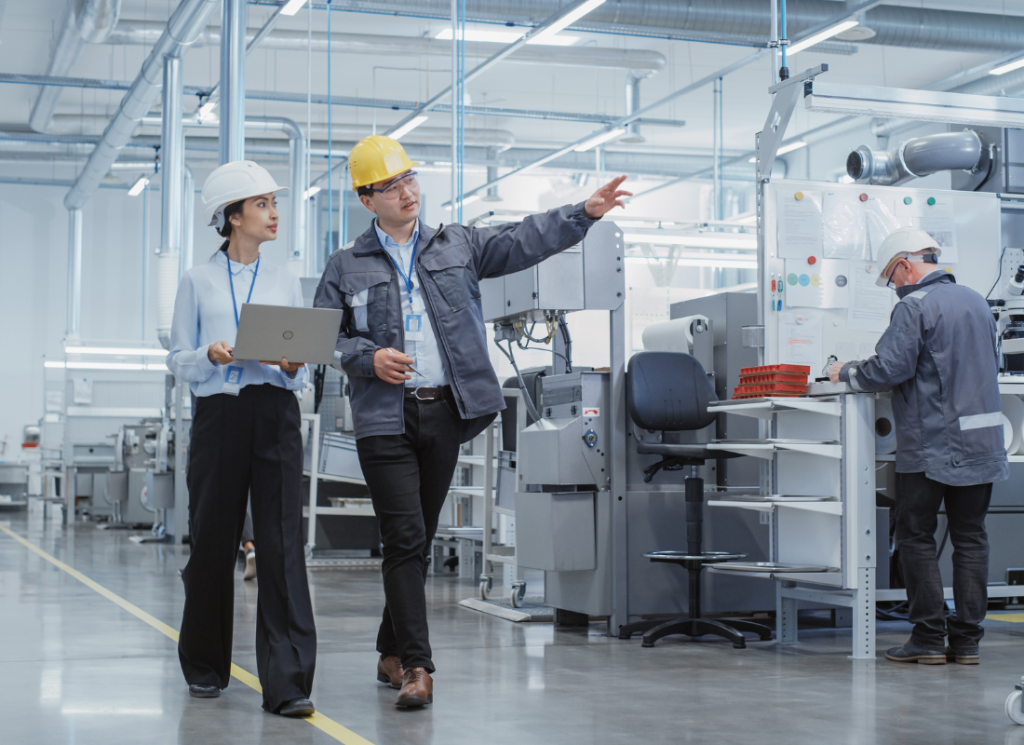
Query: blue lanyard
406,278
231,284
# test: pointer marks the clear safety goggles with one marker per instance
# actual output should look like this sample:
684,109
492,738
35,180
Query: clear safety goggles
895,262
394,190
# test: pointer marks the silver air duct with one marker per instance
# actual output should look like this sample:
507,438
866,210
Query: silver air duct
187,21
84,21
632,104
920,156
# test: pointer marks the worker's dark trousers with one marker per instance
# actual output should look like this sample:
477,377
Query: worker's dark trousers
918,499
408,476
250,440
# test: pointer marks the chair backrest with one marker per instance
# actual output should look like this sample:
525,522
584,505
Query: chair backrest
668,391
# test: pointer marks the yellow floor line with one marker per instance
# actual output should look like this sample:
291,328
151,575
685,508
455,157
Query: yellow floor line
1009,617
318,720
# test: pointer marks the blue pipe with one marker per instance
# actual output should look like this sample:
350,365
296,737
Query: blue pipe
330,147
785,40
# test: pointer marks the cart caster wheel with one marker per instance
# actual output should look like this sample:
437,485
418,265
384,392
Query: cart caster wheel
518,593
740,646
1013,708
485,588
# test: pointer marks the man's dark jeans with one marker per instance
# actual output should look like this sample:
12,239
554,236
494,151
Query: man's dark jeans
918,499
409,476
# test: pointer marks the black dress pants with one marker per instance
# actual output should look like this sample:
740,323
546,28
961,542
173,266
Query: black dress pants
240,443
409,476
918,499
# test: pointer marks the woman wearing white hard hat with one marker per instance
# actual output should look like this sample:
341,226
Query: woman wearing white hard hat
245,441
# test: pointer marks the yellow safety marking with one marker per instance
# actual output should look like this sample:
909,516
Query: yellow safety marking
1010,617
323,723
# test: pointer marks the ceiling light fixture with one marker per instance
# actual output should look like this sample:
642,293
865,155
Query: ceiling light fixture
467,200
1008,67
821,36
785,149
119,351
207,108
408,127
567,20
505,37
737,241
600,139
311,192
292,7
138,186
119,366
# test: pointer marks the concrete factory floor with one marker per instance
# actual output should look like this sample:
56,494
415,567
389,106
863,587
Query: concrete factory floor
76,667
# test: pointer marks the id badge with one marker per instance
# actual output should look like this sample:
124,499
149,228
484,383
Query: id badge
413,327
232,380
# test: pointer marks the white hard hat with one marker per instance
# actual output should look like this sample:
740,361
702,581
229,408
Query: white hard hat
900,244
233,182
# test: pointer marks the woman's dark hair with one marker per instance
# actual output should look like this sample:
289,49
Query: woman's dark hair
225,232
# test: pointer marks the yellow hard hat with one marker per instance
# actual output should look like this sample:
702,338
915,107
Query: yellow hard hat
376,158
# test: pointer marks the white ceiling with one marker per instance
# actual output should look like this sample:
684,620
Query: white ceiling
28,29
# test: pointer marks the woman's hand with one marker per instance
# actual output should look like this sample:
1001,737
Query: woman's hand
391,366
606,198
289,367
220,353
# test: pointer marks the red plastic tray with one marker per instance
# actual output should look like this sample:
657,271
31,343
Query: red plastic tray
772,378
799,369
738,396
769,388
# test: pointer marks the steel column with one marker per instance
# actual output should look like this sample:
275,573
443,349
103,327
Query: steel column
172,159
74,319
232,81
716,154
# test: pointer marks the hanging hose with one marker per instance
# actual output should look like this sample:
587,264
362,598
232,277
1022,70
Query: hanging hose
527,398
784,70
568,341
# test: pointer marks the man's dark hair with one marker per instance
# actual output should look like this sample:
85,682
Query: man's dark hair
365,191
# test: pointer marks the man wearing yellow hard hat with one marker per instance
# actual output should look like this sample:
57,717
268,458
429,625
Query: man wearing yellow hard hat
414,346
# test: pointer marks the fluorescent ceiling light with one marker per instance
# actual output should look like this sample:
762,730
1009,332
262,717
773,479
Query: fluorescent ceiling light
711,260
292,7
600,139
138,186
311,192
408,127
741,242
821,36
505,37
467,200
207,108
567,20
1008,67
120,366
119,351
784,149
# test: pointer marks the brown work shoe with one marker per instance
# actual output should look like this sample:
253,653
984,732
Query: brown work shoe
389,670
417,688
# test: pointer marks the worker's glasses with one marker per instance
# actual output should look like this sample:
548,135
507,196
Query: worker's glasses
394,190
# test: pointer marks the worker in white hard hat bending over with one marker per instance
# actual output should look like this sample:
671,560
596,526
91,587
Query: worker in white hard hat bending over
939,359
414,345
245,438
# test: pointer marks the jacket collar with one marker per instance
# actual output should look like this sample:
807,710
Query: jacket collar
933,278
367,243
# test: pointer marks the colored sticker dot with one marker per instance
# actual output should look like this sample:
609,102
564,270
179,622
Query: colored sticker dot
812,260
792,279
931,201
863,197
907,200
798,196
815,280
804,280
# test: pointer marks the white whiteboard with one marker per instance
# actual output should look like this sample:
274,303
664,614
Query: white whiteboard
973,257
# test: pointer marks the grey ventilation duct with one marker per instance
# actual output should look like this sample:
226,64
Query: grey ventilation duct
742,21
632,104
184,25
84,20
921,156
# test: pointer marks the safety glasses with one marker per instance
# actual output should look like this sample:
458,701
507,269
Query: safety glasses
394,190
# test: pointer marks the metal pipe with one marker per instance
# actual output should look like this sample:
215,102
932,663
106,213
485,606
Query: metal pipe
716,153
88,21
920,156
632,104
232,82
144,33
189,221
74,309
184,25
172,159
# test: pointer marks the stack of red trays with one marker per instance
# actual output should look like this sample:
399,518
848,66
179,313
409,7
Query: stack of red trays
772,380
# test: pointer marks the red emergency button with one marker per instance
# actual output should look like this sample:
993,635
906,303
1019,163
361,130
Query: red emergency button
812,260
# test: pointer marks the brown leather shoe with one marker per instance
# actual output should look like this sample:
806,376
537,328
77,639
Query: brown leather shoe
417,688
389,670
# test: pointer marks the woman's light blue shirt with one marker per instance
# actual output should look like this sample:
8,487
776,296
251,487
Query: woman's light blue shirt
203,315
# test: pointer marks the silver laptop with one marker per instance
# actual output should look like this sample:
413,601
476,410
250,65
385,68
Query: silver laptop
270,332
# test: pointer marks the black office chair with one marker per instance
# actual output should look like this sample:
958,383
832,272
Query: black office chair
670,391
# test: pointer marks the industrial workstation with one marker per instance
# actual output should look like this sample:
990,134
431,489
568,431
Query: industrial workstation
468,371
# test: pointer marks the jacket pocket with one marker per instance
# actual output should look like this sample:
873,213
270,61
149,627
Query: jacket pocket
981,439
366,293
454,276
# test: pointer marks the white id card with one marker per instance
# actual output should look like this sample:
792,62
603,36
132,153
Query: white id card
413,327
232,380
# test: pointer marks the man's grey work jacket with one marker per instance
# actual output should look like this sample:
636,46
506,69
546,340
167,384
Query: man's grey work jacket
939,357
450,260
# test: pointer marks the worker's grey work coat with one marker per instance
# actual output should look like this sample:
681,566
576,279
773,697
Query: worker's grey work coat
450,260
939,357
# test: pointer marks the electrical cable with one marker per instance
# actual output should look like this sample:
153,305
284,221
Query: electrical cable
568,341
998,276
527,398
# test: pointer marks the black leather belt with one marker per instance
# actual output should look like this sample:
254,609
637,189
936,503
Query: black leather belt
424,393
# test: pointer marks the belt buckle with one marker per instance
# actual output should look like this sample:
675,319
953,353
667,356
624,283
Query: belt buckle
416,394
